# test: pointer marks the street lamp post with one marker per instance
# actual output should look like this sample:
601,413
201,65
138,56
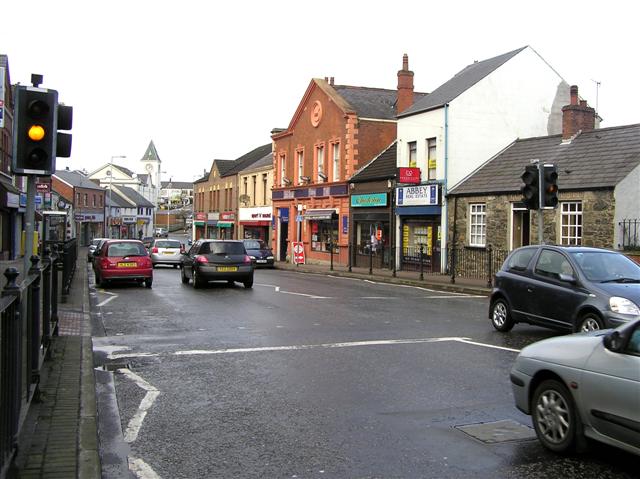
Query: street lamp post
110,188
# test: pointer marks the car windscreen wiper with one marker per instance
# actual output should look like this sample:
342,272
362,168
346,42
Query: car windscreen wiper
621,280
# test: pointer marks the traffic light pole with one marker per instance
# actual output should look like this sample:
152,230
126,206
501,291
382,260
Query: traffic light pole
540,203
30,218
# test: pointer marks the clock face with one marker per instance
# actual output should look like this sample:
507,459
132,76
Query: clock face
149,168
316,113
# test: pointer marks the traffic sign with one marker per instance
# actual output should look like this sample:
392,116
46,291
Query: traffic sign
298,252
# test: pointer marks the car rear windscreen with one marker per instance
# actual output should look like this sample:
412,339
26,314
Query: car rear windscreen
126,249
168,244
227,248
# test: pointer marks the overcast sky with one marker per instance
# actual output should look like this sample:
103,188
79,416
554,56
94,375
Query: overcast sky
207,80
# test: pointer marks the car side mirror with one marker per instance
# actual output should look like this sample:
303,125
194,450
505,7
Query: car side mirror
567,278
613,341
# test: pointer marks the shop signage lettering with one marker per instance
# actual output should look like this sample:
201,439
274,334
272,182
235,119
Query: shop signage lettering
128,219
201,216
409,175
368,201
417,195
261,213
227,216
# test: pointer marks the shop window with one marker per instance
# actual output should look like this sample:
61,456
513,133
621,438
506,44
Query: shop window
372,237
324,233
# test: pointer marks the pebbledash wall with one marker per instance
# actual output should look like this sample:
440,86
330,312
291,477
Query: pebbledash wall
598,225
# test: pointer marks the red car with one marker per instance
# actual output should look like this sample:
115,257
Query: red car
123,260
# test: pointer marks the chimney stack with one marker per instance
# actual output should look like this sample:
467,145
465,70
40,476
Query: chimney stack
577,116
405,86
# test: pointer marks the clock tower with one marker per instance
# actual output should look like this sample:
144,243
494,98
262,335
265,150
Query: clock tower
152,167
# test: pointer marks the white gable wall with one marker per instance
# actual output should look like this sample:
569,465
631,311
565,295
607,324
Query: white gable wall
627,203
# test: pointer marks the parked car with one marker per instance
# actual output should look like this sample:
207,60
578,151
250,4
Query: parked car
580,385
259,252
166,251
146,241
123,260
161,233
217,260
92,248
569,288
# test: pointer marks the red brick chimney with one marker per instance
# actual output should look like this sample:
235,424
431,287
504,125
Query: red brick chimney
577,116
405,86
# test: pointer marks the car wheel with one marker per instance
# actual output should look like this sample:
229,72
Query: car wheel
148,282
500,316
183,276
248,283
589,322
554,416
197,282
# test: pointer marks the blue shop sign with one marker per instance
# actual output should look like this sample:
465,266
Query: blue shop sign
369,201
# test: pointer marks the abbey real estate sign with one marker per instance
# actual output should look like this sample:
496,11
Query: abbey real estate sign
421,195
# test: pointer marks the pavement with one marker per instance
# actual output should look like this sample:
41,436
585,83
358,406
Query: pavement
60,435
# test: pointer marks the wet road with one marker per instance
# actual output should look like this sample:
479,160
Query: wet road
311,376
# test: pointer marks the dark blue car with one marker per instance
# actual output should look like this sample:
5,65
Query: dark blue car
261,255
569,288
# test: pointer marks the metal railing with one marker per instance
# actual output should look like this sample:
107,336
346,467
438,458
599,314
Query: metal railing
28,320
630,234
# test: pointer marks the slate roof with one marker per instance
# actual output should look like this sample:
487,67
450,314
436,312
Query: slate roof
460,82
126,171
266,160
178,185
117,200
376,103
77,180
134,196
595,159
248,159
151,154
382,167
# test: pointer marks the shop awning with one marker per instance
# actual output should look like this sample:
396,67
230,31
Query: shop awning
224,224
328,214
255,223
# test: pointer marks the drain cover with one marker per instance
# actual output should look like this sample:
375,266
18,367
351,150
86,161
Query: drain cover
498,431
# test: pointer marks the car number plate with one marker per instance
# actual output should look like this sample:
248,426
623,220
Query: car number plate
224,269
261,261
127,265
167,252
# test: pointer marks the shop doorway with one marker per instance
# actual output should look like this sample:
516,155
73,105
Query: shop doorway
284,240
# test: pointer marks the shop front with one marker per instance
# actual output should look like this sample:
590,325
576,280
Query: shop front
128,227
226,225
212,225
113,227
199,225
88,226
418,210
316,216
370,237
254,223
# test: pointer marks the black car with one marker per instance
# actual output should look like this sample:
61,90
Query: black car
259,252
569,288
216,260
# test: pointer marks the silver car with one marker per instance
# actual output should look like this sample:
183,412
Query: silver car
582,385
166,251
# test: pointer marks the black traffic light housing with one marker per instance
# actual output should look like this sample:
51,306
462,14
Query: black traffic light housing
530,191
36,141
550,186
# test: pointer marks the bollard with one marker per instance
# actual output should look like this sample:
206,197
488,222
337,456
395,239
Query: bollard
393,262
421,262
349,264
331,255
370,258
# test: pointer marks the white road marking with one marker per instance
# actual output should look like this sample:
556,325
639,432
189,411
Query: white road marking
300,347
106,301
133,428
278,290
485,345
141,469
382,342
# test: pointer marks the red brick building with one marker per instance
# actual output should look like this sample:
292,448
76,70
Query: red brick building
335,130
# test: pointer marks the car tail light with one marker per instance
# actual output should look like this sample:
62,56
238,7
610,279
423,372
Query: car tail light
154,249
247,259
201,259
104,263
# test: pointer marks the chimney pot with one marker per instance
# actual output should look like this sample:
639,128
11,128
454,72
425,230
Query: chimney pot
405,86
583,102
405,62
574,94
331,81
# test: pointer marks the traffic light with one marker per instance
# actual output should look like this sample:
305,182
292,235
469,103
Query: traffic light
530,192
550,186
35,131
